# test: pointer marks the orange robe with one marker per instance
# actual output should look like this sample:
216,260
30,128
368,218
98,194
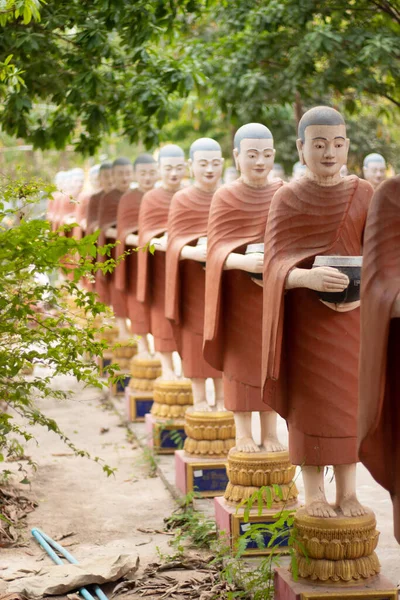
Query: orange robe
126,272
185,280
308,348
153,221
379,411
105,284
233,313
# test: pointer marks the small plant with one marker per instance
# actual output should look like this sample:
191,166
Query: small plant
150,461
191,527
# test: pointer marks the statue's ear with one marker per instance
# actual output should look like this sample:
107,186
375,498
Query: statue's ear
299,145
190,163
236,159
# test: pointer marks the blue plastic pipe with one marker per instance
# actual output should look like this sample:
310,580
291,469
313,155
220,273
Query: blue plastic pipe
48,544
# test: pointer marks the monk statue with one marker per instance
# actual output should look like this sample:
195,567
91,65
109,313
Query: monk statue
374,169
122,175
153,223
311,347
106,185
379,415
185,274
233,310
146,175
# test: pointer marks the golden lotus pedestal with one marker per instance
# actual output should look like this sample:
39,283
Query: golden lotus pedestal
165,425
335,559
261,492
202,465
139,394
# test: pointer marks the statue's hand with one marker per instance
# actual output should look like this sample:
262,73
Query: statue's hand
326,279
198,253
160,243
396,308
253,263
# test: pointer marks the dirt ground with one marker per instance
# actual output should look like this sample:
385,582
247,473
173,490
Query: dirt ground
74,495
107,514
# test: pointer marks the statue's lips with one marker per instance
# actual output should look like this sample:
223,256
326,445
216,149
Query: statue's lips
328,164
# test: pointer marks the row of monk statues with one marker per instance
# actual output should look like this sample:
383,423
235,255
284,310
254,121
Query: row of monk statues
256,284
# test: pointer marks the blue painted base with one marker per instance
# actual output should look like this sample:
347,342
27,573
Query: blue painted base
231,522
138,405
165,436
206,476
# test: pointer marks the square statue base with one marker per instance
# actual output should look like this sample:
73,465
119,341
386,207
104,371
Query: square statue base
118,389
138,404
376,588
206,476
164,436
230,520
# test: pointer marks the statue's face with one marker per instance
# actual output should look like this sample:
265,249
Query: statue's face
106,180
122,176
324,150
255,160
146,174
172,171
207,168
375,173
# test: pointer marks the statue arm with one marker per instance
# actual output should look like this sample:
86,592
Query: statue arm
252,263
320,279
111,233
197,253
132,239
160,243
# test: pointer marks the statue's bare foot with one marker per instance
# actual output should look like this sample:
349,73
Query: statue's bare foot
272,444
320,508
145,355
201,407
351,507
246,444
168,375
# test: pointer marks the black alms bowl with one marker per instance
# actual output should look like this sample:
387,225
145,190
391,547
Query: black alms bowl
350,266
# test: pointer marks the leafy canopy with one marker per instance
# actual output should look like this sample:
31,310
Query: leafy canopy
83,68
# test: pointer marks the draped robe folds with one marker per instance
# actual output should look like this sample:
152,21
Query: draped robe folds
153,222
126,271
105,282
185,280
233,312
379,386
309,349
